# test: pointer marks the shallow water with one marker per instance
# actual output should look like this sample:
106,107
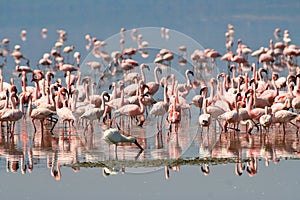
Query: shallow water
172,164
152,174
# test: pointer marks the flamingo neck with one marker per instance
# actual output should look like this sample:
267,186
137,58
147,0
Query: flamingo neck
246,82
37,90
78,79
290,91
63,100
220,88
275,87
87,90
29,109
204,106
212,92
233,73
156,75
188,80
249,103
103,102
173,84
21,104
24,81
114,92
143,74
93,90
142,106
122,95
69,80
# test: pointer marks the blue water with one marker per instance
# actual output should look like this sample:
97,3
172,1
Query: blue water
206,22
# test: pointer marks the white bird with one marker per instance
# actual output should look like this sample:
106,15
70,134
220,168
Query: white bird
114,136
205,118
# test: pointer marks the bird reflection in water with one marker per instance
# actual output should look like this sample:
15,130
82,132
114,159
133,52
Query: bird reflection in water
173,168
55,167
106,171
205,169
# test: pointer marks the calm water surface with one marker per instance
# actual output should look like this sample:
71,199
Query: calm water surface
31,165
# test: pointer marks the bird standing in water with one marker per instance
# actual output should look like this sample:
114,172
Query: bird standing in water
114,136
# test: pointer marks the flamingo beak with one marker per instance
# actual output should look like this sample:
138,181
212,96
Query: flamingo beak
250,130
191,72
137,144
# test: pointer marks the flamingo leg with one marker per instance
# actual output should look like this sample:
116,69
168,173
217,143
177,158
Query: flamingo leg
161,122
42,126
53,125
295,125
32,120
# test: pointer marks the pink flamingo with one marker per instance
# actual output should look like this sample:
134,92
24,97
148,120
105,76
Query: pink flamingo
154,86
12,115
64,113
198,99
231,116
117,103
254,113
283,117
269,95
174,111
41,113
133,110
160,108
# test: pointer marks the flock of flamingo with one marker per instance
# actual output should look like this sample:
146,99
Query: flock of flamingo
259,95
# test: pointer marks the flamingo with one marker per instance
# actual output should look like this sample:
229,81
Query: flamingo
266,119
117,103
131,76
133,110
44,33
131,89
280,106
154,86
160,108
205,118
174,111
12,115
40,113
128,64
284,116
181,87
198,99
64,113
254,113
231,116
92,114
270,95
67,50
17,55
